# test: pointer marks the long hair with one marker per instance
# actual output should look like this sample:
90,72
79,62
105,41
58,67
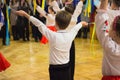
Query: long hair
116,2
116,25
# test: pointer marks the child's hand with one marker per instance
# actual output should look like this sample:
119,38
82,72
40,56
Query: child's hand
84,23
21,13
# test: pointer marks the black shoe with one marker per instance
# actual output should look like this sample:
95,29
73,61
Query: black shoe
36,40
28,39
3,42
24,40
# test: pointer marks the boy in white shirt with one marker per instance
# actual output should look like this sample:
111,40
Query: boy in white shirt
60,43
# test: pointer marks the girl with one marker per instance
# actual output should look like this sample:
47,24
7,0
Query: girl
50,20
109,41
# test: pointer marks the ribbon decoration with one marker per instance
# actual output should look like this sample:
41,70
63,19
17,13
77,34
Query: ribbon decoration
7,25
88,8
92,40
93,33
35,5
43,4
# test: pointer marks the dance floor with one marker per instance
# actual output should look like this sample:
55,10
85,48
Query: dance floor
29,60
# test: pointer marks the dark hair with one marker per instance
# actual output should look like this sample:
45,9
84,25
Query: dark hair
7,2
25,2
84,2
51,8
39,3
117,2
69,8
116,25
63,19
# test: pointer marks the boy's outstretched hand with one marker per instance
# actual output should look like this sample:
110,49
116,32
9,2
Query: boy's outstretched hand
22,13
84,24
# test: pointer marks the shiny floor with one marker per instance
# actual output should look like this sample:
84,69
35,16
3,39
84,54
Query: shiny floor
29,60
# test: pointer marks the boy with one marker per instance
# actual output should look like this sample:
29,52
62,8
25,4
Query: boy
60,43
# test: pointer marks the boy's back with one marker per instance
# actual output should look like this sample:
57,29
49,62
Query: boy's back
60,43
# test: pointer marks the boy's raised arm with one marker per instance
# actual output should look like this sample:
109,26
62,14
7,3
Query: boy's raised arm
22,13
42,27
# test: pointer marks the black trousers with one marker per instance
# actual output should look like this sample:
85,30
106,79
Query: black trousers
3,35
36,33
15,32
60,72
83,32
72,60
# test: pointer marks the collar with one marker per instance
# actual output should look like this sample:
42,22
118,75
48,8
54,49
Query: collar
62,31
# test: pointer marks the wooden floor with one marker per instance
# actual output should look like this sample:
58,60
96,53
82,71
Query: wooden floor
29,60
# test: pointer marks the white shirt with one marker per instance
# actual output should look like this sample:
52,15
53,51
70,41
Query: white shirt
60,41
111,56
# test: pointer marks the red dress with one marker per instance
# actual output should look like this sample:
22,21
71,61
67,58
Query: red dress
4,64
44,39
111,78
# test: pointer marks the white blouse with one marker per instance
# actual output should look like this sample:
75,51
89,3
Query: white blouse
111,50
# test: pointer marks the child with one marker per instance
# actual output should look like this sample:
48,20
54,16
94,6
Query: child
60,43
50,20
75,13
109,41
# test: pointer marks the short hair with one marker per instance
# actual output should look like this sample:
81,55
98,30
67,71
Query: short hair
116,2
63,19
51,8
116,25
69,8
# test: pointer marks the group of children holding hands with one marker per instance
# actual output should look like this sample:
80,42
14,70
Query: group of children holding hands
60,41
